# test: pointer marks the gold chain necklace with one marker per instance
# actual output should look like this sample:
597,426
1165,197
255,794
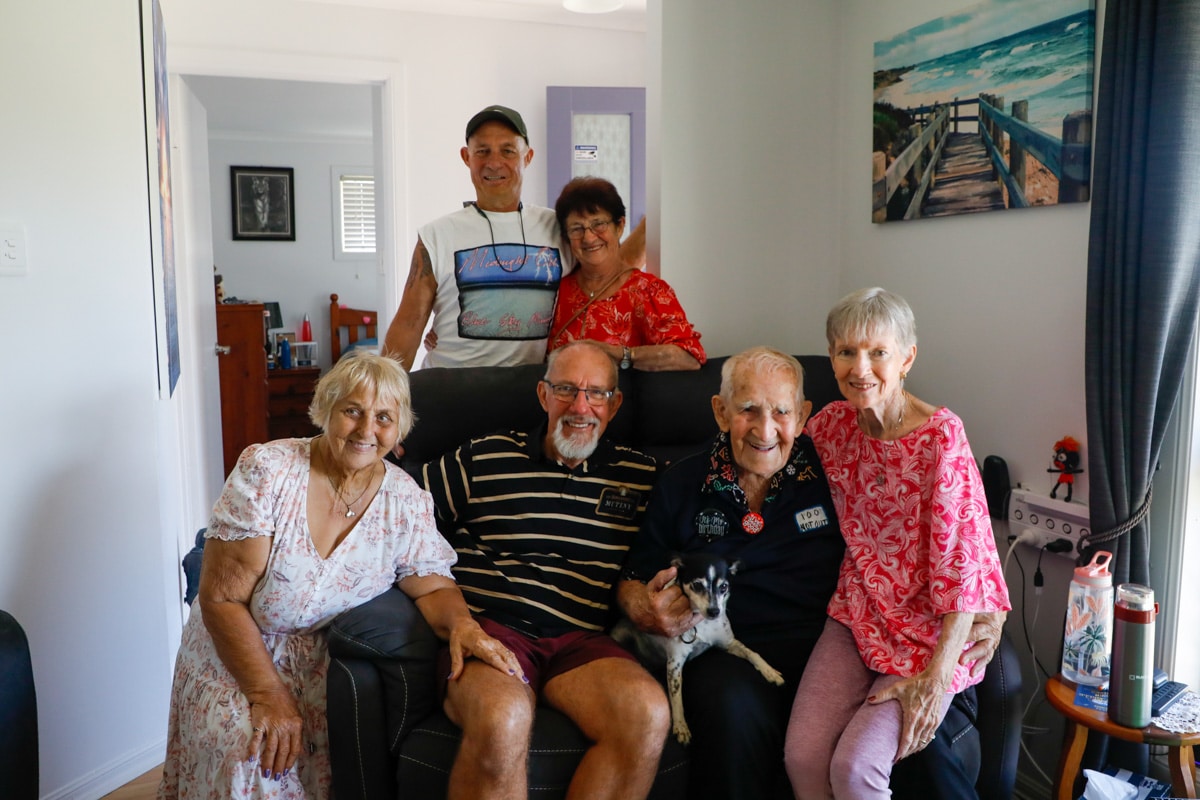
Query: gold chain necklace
349,510
338,492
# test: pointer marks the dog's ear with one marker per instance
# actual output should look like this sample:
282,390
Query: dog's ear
734,566
677,561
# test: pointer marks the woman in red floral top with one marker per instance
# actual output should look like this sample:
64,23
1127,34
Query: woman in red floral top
920,563
633,315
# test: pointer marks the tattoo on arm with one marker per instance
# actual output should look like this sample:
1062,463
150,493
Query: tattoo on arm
421,268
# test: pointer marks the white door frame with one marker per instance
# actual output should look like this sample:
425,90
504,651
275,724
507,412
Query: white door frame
387,78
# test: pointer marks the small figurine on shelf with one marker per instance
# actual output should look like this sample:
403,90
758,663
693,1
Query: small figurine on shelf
1066,464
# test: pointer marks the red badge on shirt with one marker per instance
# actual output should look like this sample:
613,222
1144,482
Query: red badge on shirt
752,523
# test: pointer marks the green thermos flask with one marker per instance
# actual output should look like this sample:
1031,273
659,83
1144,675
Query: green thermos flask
1132,677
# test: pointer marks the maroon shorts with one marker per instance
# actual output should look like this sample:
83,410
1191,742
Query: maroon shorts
546,657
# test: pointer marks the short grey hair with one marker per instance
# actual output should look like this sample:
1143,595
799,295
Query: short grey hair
613,376
871,311
362,369
761,360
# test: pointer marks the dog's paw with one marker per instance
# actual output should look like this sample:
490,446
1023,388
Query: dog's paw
772,674
682,732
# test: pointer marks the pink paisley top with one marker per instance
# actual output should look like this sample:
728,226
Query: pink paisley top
919,541
643,311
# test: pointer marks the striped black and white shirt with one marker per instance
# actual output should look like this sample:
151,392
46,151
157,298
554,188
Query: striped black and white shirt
539,545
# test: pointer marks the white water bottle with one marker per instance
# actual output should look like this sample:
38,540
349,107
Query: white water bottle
1087,640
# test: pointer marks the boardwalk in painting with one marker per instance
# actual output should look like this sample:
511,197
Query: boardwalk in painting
963,180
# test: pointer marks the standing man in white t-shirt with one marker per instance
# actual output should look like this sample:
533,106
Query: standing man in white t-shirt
489,272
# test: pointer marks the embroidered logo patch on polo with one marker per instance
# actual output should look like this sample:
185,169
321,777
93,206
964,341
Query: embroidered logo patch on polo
811,519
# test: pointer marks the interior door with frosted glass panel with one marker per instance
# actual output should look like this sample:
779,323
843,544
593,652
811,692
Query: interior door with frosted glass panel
598,131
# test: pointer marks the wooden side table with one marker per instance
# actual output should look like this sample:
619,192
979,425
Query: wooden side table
290,393
1061,694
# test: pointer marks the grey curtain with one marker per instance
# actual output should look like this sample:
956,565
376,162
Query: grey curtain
1143,259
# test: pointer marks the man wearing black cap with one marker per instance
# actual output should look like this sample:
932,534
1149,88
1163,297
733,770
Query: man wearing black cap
489,272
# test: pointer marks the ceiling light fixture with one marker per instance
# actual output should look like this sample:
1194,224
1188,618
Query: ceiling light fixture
592,6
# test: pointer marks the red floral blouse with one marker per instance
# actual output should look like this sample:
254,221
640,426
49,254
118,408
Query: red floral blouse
643,311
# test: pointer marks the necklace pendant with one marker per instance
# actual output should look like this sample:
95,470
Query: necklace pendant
349,513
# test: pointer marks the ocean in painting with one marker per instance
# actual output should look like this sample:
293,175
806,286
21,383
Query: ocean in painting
1050,65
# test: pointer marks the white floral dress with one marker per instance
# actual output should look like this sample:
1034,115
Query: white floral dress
297,597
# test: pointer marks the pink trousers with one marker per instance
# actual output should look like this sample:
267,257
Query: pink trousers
838,745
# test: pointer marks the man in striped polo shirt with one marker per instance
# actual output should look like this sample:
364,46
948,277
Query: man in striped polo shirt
541,522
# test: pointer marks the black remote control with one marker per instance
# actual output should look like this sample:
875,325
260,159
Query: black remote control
1165,696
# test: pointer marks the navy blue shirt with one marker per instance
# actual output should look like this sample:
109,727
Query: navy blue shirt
788,571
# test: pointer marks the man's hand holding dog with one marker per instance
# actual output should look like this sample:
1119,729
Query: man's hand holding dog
658,606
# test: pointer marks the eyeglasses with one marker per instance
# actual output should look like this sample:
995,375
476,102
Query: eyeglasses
599,227
568,392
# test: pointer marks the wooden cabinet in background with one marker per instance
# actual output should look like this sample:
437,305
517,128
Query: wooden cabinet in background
242,363
290,393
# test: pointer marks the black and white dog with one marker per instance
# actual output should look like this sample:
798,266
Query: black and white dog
704,579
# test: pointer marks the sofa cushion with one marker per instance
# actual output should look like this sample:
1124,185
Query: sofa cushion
554,753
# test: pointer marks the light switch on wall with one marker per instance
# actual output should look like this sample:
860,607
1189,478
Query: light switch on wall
14,258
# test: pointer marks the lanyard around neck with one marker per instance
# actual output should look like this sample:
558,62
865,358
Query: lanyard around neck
492,233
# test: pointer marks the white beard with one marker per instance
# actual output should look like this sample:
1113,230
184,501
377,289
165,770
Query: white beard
572,449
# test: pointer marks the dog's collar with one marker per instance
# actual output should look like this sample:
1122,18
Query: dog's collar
683,637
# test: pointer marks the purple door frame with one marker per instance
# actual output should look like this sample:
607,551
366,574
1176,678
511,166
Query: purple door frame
562,102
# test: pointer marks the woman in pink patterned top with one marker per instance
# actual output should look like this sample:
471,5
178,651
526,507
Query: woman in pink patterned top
633,315
920,563
304,530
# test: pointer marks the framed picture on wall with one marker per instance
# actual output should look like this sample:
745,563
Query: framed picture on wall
264,203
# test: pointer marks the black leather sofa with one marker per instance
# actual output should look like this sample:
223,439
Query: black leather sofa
18,714
388,735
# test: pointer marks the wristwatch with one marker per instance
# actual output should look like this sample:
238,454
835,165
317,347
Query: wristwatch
626,358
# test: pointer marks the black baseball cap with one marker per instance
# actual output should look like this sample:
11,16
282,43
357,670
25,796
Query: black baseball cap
500,114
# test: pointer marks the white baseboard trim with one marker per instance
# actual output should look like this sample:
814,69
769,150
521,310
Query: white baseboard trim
112,775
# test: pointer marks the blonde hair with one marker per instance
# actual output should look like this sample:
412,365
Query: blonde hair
363,370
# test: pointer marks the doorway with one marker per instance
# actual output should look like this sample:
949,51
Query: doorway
207,216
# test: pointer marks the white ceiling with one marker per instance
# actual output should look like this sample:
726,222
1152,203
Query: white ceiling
259,108
631,16
253,108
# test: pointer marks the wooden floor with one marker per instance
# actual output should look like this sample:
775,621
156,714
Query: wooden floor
143,787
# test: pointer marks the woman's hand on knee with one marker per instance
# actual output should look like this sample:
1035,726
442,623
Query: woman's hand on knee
276,737
921,700
470,640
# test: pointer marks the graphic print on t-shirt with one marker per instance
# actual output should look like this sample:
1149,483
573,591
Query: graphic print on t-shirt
506,291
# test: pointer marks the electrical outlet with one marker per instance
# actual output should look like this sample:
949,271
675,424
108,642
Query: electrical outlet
1044,520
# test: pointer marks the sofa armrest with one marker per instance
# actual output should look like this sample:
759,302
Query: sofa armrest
363,768
999,723
390,633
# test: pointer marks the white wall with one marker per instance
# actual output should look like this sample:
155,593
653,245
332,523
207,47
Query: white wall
746,156
81,503
299,275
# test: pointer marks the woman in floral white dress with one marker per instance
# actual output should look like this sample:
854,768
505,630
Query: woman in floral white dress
304,530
